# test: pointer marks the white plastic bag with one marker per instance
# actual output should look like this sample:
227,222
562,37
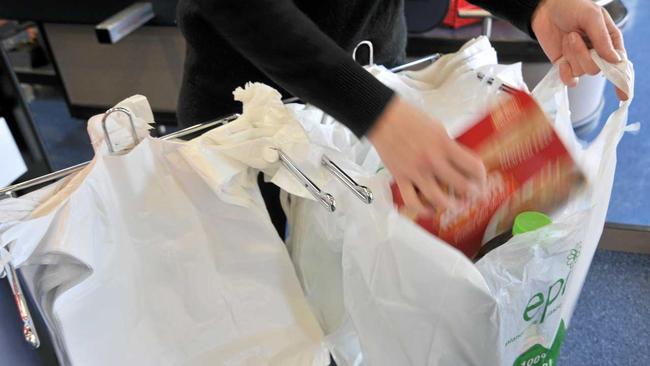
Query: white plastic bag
448,90
315,243
163,255
315,235
415,300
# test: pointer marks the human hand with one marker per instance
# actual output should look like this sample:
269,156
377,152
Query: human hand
565,29
423,158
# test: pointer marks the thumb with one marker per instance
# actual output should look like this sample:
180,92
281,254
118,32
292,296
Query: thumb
600,38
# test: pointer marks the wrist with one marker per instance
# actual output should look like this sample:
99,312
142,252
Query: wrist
386,118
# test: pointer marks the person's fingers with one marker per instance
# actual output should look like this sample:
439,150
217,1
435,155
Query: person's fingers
617,42
594,25
468,163
614,33
566,75
582,54
410,196
570,56
430,189
448,174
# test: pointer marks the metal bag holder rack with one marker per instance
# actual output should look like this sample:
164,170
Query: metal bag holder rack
326,199
10,191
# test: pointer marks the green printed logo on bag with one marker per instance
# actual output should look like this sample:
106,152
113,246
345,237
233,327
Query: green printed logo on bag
541,301
539,307
539,355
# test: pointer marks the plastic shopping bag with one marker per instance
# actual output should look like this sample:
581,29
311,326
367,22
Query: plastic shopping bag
315,235
304,135
450,91
414,300
162,255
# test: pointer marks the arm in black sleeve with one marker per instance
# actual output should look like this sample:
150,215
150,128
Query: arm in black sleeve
280,40
517,12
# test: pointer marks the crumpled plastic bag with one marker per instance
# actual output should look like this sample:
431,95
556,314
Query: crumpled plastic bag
252,140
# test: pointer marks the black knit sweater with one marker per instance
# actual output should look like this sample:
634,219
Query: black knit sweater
301,47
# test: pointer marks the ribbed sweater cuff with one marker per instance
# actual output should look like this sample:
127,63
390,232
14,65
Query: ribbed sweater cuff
361,98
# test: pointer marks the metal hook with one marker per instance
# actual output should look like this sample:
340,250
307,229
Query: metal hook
107,136
8,194
29,330
363,192
324,198
490,80
371,52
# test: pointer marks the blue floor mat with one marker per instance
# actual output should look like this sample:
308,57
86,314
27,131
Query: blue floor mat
611,324
65,138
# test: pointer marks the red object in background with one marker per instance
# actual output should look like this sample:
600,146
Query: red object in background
528,168
453,20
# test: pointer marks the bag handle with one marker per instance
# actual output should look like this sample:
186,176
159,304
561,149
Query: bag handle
552,93
620,74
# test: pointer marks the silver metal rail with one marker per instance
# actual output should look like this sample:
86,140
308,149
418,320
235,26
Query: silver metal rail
10,190
124,23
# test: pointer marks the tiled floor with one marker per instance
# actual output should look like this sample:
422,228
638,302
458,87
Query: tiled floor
611,325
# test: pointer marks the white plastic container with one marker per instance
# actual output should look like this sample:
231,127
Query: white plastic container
586,100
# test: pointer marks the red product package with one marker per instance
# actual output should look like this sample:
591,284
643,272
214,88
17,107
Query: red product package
453,20
528,166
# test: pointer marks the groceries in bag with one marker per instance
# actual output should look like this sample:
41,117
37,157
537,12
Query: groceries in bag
525,222
528,166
